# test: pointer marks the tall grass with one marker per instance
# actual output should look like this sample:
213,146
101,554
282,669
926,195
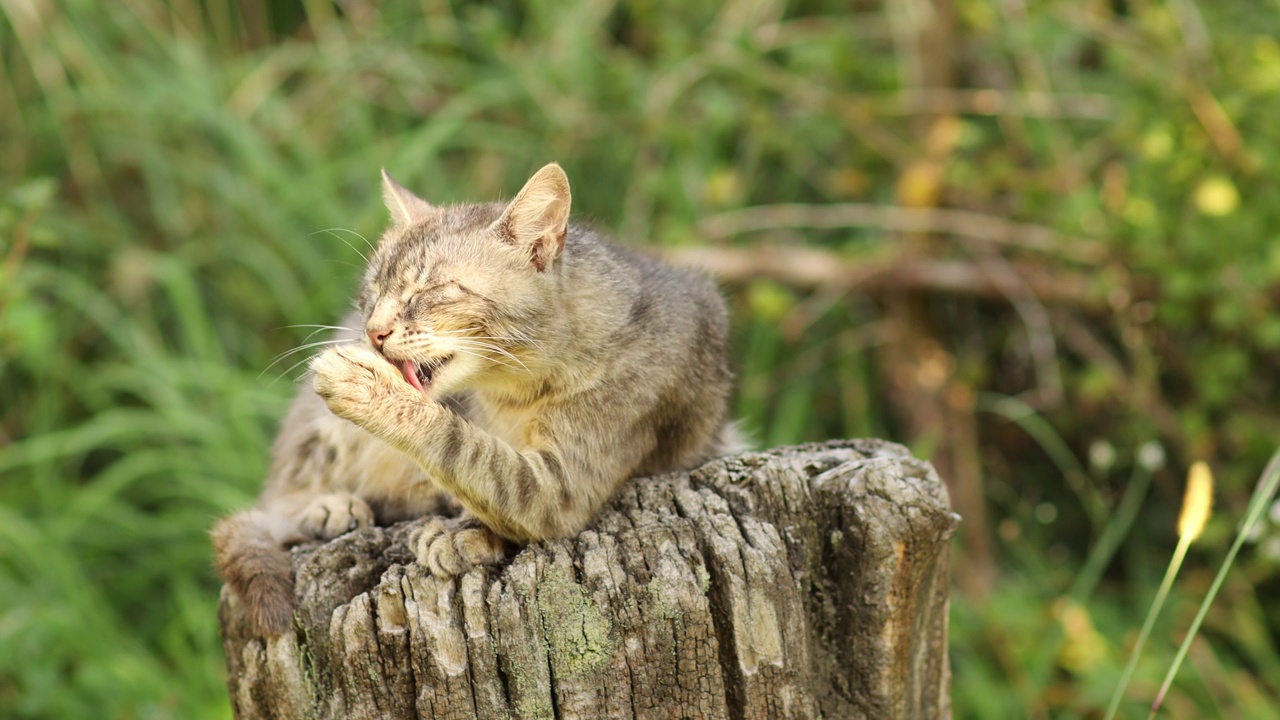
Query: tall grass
180,181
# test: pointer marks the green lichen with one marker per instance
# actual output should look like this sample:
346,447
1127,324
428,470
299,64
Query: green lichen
580,638
532,705
660,602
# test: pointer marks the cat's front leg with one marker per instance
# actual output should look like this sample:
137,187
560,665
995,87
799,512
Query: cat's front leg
362,386
451,546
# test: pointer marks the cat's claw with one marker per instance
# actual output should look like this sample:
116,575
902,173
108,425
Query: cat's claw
450,547
334,514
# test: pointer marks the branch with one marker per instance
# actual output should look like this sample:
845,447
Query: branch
963,223
1088,106
811,268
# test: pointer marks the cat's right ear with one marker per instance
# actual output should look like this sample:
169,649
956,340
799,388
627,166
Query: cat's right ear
404,206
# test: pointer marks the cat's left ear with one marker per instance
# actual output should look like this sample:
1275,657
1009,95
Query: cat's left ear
538,218
404,206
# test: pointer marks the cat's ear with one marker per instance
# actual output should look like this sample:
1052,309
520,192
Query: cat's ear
539,216
404,206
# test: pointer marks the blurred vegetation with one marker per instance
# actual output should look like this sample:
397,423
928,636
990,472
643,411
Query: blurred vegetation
1041,248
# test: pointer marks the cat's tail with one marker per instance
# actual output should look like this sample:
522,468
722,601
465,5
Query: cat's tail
253,561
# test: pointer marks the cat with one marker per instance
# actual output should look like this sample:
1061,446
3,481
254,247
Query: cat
510,372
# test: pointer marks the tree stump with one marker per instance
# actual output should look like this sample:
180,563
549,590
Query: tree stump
802,582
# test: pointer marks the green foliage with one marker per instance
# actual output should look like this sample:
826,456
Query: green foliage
181,182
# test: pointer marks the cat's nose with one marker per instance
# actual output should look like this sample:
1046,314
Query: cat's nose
378,337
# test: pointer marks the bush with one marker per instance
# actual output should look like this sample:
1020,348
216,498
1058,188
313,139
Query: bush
185,182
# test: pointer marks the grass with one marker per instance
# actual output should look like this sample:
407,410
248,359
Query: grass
182,182
1196,505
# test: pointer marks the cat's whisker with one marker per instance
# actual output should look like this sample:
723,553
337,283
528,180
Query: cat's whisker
331,231
515,341
312,334
451,334
473,353
321,327
493,348
300,348
353,232
293,367
477,342
362,237
482,343
521,339
481,354
308,346
512,341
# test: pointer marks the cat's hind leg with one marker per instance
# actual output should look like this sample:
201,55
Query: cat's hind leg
328,515
249,548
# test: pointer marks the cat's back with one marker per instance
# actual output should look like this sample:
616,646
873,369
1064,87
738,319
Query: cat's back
667,349
660,299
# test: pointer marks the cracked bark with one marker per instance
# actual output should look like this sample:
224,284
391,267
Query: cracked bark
802,582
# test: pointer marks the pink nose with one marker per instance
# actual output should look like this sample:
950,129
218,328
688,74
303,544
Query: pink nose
378,337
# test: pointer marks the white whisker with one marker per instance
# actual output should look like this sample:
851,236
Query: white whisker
484,357
322,327
500,338
494,348
353,232
514,341
292,367
344,241
300,348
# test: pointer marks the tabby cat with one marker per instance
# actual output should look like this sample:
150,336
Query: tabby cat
510,372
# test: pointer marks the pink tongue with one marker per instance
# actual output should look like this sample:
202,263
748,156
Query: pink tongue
410,373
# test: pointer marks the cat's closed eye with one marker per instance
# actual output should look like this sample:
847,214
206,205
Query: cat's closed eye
447,297
435,295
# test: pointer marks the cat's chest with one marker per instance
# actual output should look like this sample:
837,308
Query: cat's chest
511,425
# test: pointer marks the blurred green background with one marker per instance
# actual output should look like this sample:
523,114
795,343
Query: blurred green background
1036,241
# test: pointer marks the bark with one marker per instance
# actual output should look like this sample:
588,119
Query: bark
803,582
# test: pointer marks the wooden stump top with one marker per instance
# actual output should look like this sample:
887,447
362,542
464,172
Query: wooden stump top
801,582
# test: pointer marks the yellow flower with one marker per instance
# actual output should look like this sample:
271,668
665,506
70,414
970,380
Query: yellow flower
1217,196
1083,646
1197,502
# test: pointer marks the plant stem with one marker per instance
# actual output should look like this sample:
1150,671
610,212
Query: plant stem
1175,563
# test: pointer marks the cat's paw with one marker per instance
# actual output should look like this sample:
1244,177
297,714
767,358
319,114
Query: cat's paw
359,384
328,516
449,547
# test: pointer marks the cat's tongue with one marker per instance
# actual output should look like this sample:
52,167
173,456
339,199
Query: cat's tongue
409,370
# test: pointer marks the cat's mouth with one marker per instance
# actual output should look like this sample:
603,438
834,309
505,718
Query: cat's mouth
421,374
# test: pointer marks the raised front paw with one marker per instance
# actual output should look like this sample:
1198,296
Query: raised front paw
360,385
449,547
331,515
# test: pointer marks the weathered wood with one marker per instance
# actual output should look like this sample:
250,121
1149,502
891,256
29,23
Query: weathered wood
803,582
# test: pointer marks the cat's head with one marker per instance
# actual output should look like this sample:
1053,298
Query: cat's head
456,294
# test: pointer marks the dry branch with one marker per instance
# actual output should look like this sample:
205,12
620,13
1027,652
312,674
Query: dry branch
989,101
963,223
811,268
